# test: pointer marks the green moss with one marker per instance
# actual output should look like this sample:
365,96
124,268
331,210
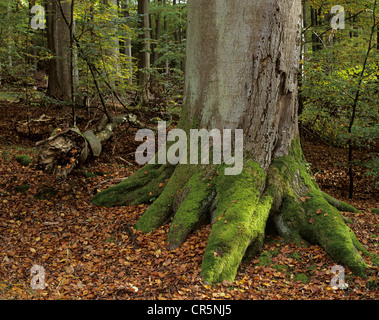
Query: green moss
23,188
301,277
90,175
280,267
340,205
194,201
24,160
265,259
161,209
307,214
240,207
296,256
376,210
46,193
238,229
142,187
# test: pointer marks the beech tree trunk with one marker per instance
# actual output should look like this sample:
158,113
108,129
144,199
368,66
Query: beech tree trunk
113,52
144,51
59,42
128,43
241,73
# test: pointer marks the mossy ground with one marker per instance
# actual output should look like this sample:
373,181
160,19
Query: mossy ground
24,160
238,208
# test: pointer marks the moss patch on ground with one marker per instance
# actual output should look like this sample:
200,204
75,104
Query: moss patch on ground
24,160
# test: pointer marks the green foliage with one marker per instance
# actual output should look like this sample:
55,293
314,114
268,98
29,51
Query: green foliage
339,86
103,34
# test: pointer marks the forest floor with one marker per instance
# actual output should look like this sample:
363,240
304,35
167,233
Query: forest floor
88,253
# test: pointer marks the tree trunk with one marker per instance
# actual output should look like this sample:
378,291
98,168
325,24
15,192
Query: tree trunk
128,43
58,35
241,74
113,52
144,51
158,32
10,60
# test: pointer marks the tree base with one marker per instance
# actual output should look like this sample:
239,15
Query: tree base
238,208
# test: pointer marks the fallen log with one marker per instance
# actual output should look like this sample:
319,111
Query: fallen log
66,149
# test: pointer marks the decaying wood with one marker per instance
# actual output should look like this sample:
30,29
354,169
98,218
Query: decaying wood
64,150
35,127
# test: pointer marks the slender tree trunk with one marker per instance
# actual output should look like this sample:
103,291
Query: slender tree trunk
59,42
158,31
144,51
315,21
114,51
128,43
240,75
72,62
167,62
10,59
75,58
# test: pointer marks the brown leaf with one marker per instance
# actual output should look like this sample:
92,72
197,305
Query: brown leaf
319,211
226,283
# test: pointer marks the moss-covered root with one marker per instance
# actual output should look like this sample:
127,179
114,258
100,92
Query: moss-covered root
338,204
318,222
142,187
306,213
162,209
239,224
192,206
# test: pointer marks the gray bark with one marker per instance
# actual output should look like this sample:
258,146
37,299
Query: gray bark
114,51
242,74
128,43
144,50
10,60
59,42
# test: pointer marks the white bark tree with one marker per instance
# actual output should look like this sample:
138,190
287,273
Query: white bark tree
241,73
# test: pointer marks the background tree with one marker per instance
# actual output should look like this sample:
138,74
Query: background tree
332,76
144,50
59,42
251,53
128,40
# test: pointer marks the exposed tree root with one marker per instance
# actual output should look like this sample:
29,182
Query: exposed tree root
145,186
238,207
